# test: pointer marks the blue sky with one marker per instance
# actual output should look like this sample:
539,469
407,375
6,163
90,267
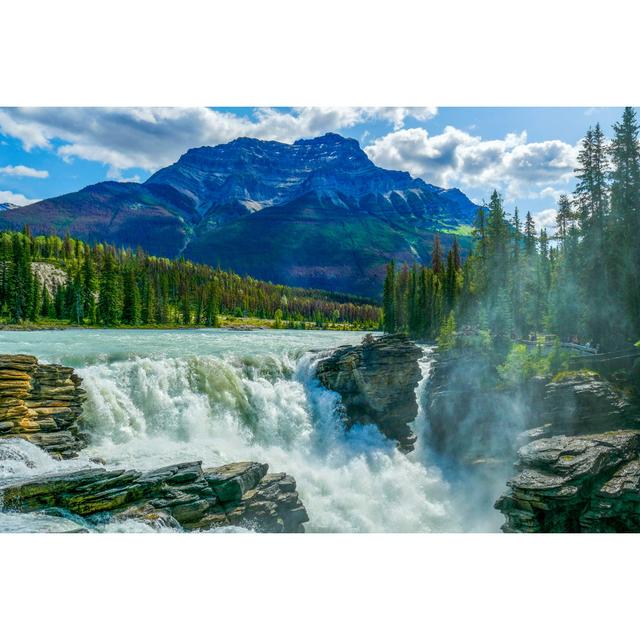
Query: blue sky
528,154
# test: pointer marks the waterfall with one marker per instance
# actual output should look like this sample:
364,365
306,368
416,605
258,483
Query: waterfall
259,402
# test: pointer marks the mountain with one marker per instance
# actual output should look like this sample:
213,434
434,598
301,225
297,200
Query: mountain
5,206
316,213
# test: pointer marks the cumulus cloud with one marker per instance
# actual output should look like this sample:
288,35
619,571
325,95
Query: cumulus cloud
150,138
22,171
15,198
545,219
457,158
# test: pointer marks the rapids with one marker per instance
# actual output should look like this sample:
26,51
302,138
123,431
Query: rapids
159,397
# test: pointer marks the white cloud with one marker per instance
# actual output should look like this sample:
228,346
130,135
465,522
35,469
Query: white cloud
545,219
397,115
150,138
22,171
15,198
457,158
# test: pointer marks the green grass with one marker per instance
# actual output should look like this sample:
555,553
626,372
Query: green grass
461,230
225,323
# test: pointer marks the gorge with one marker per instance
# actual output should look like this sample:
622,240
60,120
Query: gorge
363,433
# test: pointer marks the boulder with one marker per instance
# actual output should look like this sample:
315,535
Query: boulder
41,403
376,381
182,496
585,483
230,482
583,402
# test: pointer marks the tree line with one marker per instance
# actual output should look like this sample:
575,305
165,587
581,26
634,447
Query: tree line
581,283
110,286
417,300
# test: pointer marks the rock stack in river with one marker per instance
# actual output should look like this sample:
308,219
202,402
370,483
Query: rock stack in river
377,381
40,403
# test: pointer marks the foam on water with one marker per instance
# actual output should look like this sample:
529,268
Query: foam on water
250,397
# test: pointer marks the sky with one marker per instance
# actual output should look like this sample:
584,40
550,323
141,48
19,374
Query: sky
528,154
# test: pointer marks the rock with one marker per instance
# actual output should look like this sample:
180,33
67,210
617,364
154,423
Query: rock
230,482
179,496
583,402
581,470
575,484
615,506
41,403
376,381
273,506
49,276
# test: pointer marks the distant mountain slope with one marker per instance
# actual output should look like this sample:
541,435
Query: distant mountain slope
5,206
316,213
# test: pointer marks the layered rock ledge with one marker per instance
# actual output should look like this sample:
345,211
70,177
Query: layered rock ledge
181,496
583,403
376,381
41,403
581,470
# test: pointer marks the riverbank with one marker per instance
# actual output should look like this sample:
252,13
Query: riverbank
225,322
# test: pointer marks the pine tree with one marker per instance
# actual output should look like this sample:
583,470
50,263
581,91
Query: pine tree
529,235
149,305
516,275
212,306
89,287
110,294
36,301
131,305
21,280
402,299
450,282
389,299
436,256
625,218
46,310
591,197
185,307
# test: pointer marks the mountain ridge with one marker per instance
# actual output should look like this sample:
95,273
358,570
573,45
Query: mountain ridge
315,213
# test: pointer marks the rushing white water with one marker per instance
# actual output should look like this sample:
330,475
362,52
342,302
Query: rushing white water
158,397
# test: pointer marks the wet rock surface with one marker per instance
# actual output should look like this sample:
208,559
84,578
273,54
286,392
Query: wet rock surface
376,381
572,478
41,403
181,496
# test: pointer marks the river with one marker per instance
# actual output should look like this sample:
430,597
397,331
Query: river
159,397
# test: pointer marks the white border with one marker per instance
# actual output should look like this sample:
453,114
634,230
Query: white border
318,586
335,52
329,53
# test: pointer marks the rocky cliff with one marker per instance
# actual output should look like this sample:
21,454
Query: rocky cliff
581,470
182,496
40,403
376,381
